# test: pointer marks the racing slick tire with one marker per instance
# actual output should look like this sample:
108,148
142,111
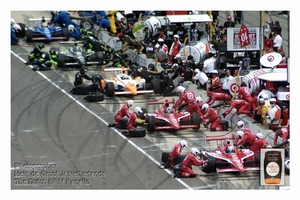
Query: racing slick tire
151,124
165,157
178,159
87,24
61,61
65,33
156,86
123,123
210,166
287,166
195,120
29,35
93,97
83,89
138,132
110,89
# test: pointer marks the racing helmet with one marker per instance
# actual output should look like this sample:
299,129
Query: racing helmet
138,110
230,149
176,37
12,21
197,70
151,67
71,28
157,46
180,89
240,134
168,110
130,103
240,125
195,151
160,41
272,101
265,96
183,144
83,70
198,99
261,101
259,135
41,45
205,106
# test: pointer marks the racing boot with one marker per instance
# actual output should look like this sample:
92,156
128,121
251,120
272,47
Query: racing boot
177,174
111,125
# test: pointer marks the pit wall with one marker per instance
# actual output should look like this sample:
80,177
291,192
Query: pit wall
231,117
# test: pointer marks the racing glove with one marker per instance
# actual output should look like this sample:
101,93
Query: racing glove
140,121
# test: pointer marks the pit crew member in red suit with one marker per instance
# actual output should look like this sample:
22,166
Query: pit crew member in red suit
215,82
175,48
274,113
283,132
216,96
122,112
242,107
210,115
134,119
285,117
186,165
245,94
259,142
244,136
187,96
176,151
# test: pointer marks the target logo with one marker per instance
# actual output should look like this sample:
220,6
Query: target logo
288,97
234,88
271,58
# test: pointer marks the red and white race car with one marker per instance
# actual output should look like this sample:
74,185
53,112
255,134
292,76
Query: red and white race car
228,158
167,118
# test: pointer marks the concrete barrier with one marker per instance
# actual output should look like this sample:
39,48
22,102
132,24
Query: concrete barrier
231,117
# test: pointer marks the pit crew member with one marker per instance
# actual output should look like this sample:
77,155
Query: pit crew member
134,120
283,132
216,96
241,106
244,136
36,53
210,116
274,113
176,151
121,113
244,93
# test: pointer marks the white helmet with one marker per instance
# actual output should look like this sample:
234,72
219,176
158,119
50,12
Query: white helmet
195,151
180,89
197,70
130,103
138,110
12,22
260,135
205,106
160,40
272,100
71,28
183,144
176,36
240,125
265,96
198,99
240,134
157,46
169,110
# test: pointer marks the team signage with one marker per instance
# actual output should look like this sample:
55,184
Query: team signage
234,35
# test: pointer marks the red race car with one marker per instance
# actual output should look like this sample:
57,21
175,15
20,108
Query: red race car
228,158
167,118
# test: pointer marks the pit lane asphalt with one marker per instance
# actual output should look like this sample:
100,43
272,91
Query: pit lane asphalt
50,126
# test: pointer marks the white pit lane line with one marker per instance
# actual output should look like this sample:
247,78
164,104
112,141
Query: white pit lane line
105,122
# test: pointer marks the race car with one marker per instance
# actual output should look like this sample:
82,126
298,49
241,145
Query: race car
75,56
46,32
124,84
228,158
170,119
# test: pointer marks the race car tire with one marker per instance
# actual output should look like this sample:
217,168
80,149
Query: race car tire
195,120
151,124
61,61
65,33
21,33
29,35
156,86
210,165
83,89
110,89
165,157
287,166
178,159
138,132
87,24
123,123
93,97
